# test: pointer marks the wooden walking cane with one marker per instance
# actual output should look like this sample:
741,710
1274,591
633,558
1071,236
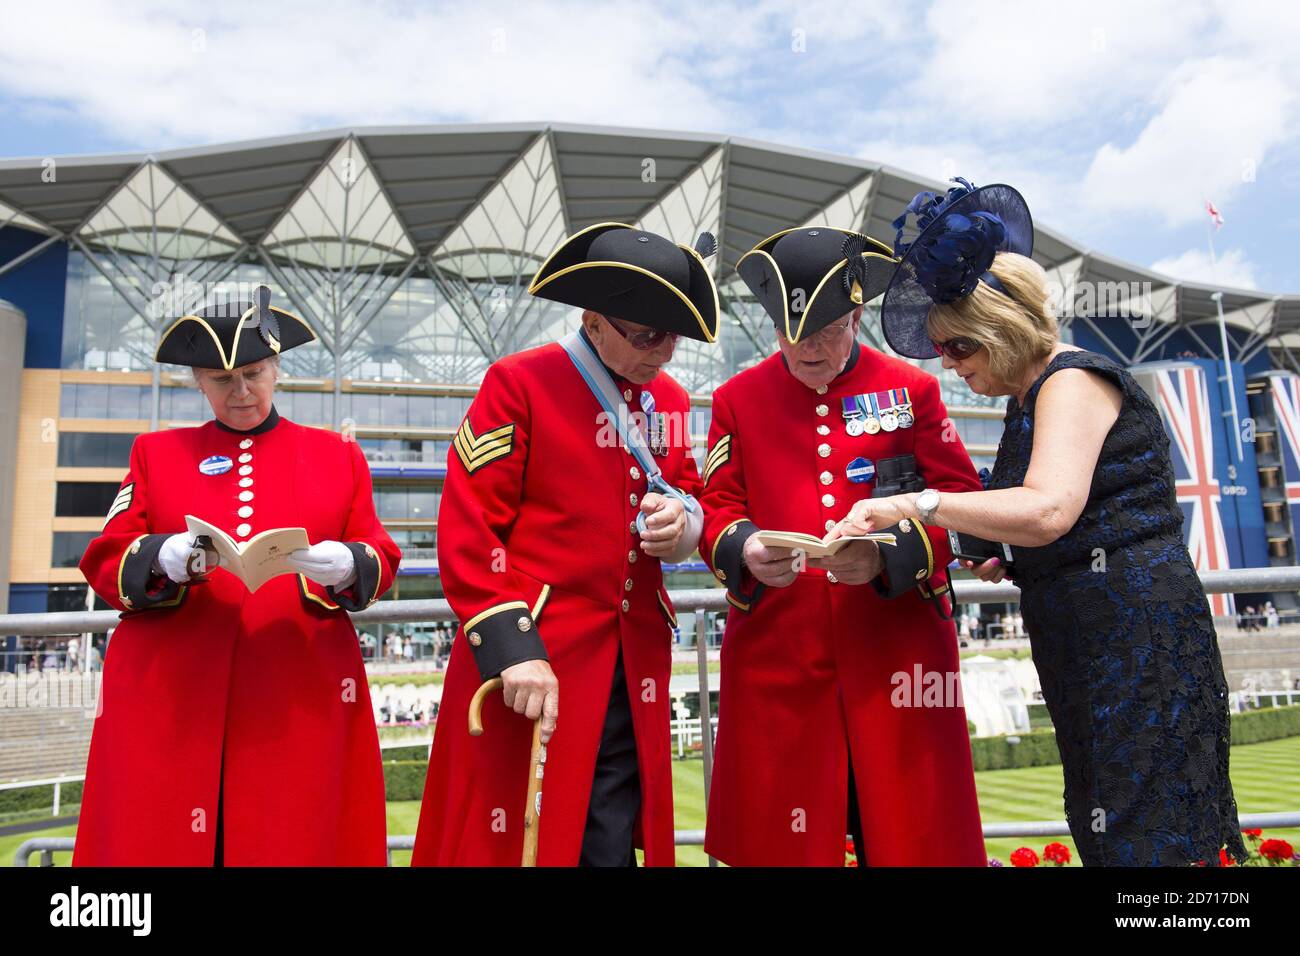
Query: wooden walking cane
533,807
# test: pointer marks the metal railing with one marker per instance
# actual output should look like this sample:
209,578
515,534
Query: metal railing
1243,580
1246,580
48,846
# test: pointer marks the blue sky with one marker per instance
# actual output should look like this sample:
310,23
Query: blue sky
1116,118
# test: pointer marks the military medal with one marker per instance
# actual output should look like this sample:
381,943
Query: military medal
872,424
904,409
892,403
853,415
656,427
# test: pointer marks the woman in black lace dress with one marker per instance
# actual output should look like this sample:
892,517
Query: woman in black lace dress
1083,491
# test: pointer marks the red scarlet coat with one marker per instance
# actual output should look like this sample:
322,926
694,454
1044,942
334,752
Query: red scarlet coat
808,671
539,558
207,685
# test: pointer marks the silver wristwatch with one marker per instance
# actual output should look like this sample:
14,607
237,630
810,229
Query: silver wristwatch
927,503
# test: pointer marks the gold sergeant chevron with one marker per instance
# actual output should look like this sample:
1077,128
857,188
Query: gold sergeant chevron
475,451
718,456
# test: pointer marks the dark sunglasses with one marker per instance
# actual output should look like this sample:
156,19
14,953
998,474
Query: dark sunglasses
961,347
643,341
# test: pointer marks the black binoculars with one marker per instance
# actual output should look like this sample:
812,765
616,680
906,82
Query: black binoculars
897,476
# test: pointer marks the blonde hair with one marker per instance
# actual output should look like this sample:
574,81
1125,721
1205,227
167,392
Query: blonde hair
1017,331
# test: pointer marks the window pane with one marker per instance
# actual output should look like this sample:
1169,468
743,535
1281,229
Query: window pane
186,405
422,410
68,547
365,409
84,499
123,402
308,408
94,450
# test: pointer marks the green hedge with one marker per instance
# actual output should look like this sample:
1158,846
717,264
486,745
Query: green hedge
417,678
1039,718
405,767
1271,723
39,798
1038,747
418,752
404,779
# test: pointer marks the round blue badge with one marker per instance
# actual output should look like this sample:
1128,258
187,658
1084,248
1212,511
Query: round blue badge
860,470
215,465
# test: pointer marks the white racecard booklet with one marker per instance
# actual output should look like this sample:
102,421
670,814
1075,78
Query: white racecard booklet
257,560
815,547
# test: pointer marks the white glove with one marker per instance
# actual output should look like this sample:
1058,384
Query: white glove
174,555
328,562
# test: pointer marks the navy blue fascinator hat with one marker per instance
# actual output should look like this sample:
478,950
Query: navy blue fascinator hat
959,233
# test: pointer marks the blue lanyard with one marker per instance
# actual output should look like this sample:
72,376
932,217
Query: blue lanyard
598,380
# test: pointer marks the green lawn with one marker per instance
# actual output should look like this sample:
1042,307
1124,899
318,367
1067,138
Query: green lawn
1263,776
1263,779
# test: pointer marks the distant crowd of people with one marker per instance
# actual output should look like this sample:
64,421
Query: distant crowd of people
972,626
405,645
1251,619
49,654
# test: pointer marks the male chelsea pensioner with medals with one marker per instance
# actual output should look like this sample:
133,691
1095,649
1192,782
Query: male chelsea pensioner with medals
815,730
556,586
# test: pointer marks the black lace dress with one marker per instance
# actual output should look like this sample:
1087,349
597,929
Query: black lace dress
1125,648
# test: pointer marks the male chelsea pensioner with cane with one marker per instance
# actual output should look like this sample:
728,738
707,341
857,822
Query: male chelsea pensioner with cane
557,587
817,728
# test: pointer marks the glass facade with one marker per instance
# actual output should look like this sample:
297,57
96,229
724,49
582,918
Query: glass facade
94,449
84,499
409,501
396,332
442,330
404,450
68,547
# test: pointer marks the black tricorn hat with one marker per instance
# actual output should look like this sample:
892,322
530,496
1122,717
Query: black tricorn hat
630,274
230,334
807,278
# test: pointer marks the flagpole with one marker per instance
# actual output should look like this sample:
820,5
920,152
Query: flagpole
1217,296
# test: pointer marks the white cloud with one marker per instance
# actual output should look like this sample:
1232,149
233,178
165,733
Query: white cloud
255,70
1219,120
1115,118
1035,171
1230,269
1107,114
1025,63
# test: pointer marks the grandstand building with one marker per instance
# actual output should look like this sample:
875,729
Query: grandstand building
409,250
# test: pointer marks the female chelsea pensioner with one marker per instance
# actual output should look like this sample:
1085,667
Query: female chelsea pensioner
1083,491
236,727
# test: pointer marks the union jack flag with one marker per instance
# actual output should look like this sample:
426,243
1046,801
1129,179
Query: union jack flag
1185,406
1286,403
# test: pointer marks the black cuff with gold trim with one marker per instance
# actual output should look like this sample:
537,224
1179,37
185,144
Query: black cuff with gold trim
365,589
907,564
139,585
503,636
729,563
